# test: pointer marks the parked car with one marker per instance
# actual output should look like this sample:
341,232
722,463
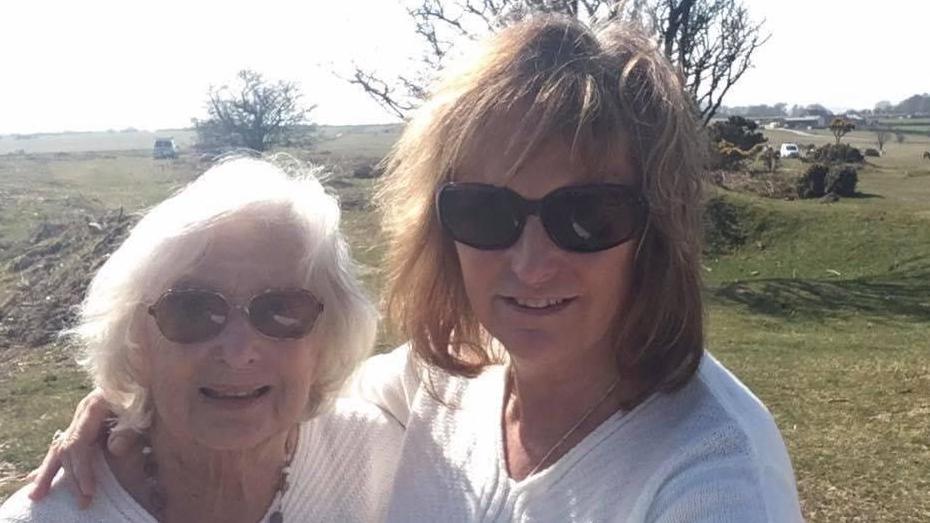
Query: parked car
789,150
164,148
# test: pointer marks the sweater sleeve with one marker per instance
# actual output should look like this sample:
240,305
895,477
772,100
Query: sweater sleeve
725,491
389,381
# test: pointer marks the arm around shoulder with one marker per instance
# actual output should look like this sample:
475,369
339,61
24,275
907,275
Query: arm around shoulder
390,381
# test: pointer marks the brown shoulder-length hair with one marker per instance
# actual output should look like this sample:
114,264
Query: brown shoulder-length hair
599,90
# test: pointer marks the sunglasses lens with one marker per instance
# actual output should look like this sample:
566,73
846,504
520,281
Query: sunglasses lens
284,314
190,316
589,219
483,217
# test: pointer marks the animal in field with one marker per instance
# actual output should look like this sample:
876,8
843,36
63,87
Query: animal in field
926,155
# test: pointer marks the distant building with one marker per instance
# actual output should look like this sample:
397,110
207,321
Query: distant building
806,122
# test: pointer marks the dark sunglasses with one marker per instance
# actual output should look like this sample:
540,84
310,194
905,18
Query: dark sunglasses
578,218
196,315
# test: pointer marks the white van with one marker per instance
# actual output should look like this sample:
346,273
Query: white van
789,150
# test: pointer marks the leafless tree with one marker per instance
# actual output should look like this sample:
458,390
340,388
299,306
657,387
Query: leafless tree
882,136
252,113
711,41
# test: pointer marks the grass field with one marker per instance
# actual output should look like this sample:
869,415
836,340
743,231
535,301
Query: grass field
824,312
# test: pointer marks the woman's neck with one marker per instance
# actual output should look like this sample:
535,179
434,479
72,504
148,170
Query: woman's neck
551,406
196,483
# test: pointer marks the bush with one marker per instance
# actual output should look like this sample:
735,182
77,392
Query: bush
837,153
367,171
821,179
726,156
872,152
842,180
811,184
738,131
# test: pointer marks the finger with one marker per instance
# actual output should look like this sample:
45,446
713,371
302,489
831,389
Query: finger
89,420
71,472
121,441
42,477
83,474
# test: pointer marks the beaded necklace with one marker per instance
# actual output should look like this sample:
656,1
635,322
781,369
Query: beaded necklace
157,494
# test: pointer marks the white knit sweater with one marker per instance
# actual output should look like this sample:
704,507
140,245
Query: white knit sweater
707,453
341,472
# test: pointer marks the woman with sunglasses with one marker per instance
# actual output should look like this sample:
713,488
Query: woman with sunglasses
543,220
220,331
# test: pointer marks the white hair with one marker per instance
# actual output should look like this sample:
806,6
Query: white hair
161,245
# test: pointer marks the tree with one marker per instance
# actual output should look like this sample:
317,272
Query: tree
917,104
252,113
711,41
817,110
882,136
733,142
840,127
738,132
883,106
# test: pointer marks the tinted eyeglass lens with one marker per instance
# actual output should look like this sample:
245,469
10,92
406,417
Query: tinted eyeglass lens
190,316
590,219
284,314
483,217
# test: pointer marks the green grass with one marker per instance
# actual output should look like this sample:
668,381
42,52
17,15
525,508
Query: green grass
824,312
38,392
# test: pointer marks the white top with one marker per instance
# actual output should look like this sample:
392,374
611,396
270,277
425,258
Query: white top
709,452
336,475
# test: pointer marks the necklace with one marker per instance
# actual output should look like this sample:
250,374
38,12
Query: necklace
157,496
584,417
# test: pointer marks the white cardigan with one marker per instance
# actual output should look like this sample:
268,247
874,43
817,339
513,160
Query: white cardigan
341,472
710,452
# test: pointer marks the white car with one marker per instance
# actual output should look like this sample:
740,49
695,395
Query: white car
789,150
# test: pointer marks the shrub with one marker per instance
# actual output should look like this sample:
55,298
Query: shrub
842,180
724,155
872,152
811,184
837,153
738,131
821,179
367,171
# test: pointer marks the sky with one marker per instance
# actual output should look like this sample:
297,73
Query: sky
101,64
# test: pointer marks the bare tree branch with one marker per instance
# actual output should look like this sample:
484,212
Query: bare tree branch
710,41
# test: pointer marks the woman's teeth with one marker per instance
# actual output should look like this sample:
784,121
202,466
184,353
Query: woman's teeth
234,394
540,303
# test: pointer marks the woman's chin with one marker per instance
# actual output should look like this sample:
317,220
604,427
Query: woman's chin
226,424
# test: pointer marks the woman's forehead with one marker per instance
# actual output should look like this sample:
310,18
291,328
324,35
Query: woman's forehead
243,256
498,158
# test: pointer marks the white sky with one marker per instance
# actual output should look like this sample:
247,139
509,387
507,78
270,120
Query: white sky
98,64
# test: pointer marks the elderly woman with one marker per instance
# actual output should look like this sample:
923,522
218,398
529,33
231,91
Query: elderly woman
543,218
224,323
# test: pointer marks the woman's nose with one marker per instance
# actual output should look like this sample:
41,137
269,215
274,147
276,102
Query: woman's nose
239,345
534,258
